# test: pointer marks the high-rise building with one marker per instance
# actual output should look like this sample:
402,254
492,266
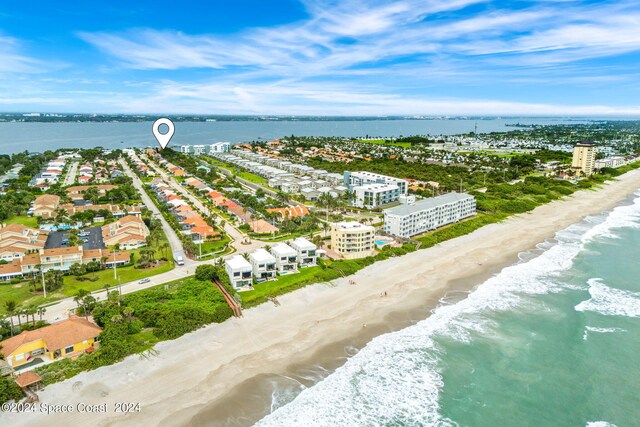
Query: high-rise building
584,157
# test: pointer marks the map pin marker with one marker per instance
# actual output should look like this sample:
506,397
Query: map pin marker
163,138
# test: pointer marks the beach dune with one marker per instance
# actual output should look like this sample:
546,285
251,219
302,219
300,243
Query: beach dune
191,374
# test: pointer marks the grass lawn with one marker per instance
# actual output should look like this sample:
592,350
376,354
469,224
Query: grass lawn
105,277
29,221
214,246
251,177
383,142
19,293
284,284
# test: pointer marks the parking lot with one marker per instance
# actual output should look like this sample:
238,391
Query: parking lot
92,241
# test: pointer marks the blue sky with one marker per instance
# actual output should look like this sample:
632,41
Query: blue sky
351,57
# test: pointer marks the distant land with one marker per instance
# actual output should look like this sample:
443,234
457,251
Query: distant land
44,117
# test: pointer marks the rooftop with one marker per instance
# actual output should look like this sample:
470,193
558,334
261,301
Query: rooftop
261,255
429,203
238,262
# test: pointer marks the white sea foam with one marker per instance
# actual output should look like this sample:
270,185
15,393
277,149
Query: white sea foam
600,424
595,329
395,379
610,301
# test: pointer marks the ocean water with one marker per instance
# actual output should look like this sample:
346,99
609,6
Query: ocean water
553,340
15,137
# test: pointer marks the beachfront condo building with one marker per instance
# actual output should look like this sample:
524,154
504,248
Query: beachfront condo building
352,240
220,147
263,264
198,150
239,271
372,196
286,258
185,149
417,217
372,190
584,157
306,252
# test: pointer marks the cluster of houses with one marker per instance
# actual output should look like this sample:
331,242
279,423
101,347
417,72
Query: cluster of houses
99,171
263,265
49,205
197,150
173,169
243,214
286,176
51,173
23,248
138,164
189,219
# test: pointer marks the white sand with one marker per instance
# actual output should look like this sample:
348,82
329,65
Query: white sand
201,367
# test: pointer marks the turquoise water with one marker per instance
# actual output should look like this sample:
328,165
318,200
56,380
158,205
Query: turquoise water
551,341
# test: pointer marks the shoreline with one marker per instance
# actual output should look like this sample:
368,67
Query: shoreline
196,372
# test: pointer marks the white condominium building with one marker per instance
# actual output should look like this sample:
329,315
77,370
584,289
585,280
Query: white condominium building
220,147
185,149
286,258
306,251
428,214
239,271
371,196
372,190
356,179
198,150
263,264
352,239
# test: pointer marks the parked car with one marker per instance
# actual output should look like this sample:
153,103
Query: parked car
84,234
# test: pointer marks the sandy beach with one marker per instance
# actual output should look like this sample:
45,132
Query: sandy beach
199,378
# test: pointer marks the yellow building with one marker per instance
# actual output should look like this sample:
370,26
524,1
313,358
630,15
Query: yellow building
584,157
352,240
64,339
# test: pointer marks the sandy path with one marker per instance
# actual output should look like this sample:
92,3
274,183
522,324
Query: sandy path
203,366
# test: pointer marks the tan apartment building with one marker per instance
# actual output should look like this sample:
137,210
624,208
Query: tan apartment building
584,158
129,232
45,206
352,240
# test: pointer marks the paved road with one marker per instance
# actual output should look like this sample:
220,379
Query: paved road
58,310
174,240
71,174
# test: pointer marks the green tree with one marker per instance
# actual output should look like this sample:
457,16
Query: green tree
11,306
206,273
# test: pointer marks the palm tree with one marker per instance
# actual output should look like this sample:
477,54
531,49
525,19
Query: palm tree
10,306
80,296
41,311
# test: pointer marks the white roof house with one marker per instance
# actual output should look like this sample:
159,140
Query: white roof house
306,251
239,271
286,257
263,264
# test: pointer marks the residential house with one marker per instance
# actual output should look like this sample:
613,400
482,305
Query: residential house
239,271
306,251
286,258
263,265
64,339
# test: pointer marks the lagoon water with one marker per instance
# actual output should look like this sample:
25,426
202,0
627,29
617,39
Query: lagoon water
550,341
17,136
